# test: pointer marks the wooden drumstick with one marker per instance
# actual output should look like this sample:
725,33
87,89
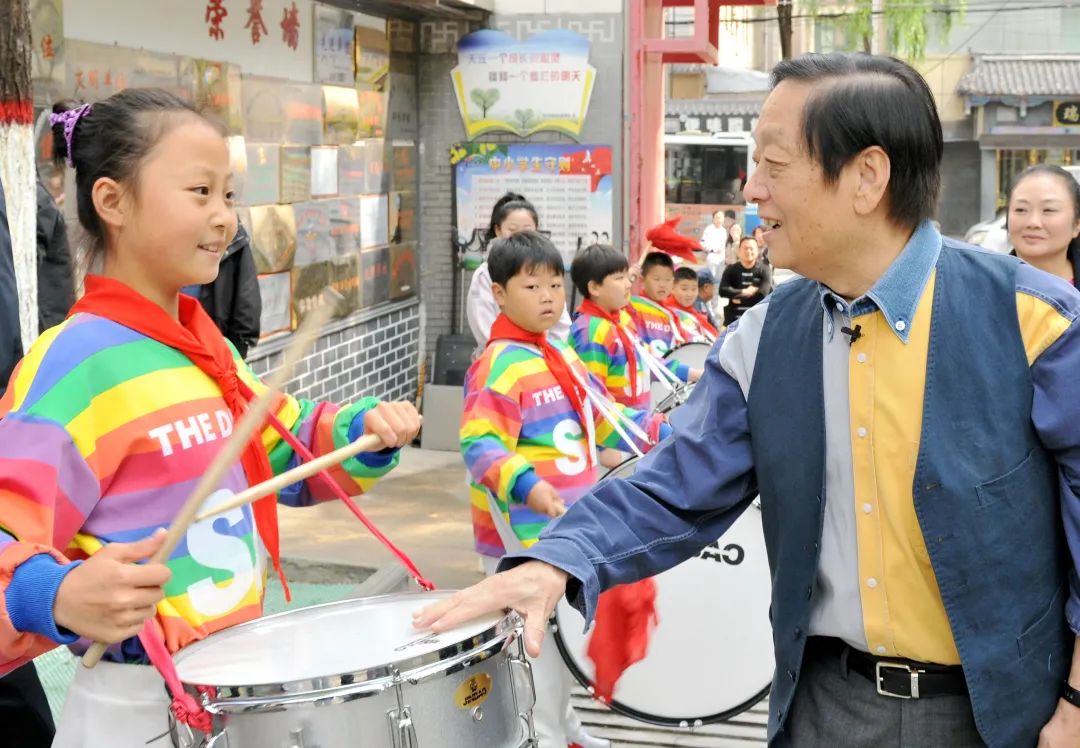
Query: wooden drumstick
366,443
244,429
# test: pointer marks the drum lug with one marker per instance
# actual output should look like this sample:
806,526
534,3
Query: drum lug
521,683
402,731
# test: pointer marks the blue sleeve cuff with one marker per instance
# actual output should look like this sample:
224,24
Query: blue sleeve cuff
32,593
682,371
379,459
665,430
523,485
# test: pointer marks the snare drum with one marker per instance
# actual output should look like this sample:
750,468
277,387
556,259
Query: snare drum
693,355
710,655
356,673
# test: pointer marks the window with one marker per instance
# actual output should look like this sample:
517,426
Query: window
705,174
1013,161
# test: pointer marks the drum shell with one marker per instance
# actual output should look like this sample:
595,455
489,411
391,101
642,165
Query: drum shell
334,713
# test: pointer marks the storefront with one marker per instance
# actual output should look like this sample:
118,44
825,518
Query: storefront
321,107
1027,111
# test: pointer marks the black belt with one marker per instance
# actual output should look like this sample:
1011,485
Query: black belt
895,677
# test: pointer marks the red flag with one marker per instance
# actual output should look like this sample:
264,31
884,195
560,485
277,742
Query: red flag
665,238
625,617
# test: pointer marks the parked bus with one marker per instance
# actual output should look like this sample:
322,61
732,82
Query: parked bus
705,173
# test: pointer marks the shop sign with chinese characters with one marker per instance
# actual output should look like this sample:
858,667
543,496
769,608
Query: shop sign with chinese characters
541,83
1067,113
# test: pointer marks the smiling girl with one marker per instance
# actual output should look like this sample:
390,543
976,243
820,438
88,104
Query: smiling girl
114,415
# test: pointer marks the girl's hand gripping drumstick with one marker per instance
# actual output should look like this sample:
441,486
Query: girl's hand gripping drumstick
367,443
253,419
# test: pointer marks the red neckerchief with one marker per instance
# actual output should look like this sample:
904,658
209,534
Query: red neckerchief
504,329
702,320
588,306
197,337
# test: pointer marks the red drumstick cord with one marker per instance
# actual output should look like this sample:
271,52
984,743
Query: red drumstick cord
322,475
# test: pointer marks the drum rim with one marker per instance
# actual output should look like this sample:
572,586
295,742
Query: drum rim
374,679
628,711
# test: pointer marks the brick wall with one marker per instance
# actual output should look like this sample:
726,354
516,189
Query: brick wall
440,128
368,354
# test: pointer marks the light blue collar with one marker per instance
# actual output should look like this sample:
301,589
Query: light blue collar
900,288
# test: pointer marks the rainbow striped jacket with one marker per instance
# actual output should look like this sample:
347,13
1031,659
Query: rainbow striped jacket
597,343
519,428
104,433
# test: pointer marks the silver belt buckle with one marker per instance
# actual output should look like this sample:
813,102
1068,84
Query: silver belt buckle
879,678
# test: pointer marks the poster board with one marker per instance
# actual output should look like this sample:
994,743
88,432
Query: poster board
295,173
376,179
341,115
544,82
374,220
276,293
402,215
313,240
375,271
345,225
333,48
403,271
262,183
324,171
569,184
308,284
351,168
273,237
345,279
281,111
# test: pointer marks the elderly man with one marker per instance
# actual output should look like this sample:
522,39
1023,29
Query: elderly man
908,412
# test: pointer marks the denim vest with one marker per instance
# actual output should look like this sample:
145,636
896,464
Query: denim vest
985,491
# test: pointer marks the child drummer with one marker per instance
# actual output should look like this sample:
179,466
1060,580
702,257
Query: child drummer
534,418
114,415
693,323
604,333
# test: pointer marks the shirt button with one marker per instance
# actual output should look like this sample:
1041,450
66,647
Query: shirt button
881,650
871,583
809,592
901,325
861,432
861,358
867,508
839,307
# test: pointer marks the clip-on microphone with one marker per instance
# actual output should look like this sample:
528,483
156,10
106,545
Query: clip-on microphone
853,335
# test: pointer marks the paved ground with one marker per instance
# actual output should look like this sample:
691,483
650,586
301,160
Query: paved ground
423,507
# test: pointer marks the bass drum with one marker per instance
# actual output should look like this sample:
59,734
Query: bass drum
710,655
693,355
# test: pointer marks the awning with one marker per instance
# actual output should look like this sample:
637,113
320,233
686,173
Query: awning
412,10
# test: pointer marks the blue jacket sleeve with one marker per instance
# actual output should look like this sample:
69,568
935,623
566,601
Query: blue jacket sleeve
1055,411
686,493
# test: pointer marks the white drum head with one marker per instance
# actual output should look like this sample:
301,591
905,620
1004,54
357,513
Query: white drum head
710,655
344,637
693,355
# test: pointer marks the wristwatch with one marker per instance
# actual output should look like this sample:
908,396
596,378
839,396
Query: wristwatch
1070,694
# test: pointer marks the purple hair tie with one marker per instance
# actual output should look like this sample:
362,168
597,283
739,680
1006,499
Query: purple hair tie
70,118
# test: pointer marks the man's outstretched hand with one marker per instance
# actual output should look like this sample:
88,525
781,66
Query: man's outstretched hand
532,589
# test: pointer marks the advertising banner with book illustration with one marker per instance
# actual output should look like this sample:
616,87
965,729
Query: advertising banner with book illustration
544,82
